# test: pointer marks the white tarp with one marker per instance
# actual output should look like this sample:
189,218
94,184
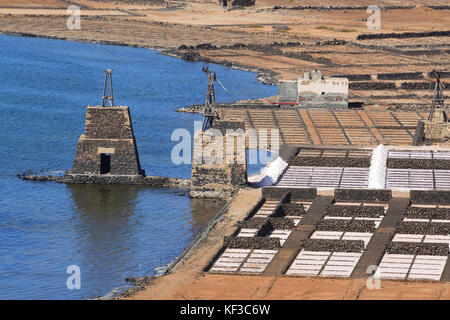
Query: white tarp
377,170
270,174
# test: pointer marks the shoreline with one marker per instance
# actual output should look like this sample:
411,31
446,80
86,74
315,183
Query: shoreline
141,283
204,247
134,285
271,39
264,76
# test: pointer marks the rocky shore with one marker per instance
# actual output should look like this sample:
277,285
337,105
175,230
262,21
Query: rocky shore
152,181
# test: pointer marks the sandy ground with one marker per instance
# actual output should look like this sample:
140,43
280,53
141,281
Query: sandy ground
224,287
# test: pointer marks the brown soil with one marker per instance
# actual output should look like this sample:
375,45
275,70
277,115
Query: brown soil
236,287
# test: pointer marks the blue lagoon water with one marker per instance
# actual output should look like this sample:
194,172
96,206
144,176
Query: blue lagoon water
110,232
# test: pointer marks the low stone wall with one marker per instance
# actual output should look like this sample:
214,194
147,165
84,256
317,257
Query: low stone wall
293,209
433,228
251,243
254,223
400,76
430,196
419,134
330,162
354,211
276,193
403,35
153,181
236,3
345,225
437,164
393,76
371,85
354,77
367,195
420,85
333,245
433,249
41,178
428,213
360,8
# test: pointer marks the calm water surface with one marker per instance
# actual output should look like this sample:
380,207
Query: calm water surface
110,232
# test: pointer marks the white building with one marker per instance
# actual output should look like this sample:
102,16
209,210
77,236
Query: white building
315,91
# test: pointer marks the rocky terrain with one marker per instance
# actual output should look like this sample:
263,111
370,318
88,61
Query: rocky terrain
279,39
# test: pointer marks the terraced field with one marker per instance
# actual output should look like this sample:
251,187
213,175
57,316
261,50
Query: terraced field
332,237
328,127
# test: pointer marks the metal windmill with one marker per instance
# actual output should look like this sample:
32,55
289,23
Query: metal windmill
209,110
438,97
106,98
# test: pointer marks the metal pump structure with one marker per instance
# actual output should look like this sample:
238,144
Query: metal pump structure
438,97
108,98
209,110
436,128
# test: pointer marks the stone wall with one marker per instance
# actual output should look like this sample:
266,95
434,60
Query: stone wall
430,196
419,134
227,173
235,3
108,131
365,195
277,193
152,181
108,123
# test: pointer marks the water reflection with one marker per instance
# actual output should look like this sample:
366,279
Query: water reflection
105,221
202,211
129,230
105,201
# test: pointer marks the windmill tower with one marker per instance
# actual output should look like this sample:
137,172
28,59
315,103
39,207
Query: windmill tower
438,104
108,98
219,163
209,110
436,128
106,152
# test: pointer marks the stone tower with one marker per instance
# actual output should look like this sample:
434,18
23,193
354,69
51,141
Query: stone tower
108,146
228,172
